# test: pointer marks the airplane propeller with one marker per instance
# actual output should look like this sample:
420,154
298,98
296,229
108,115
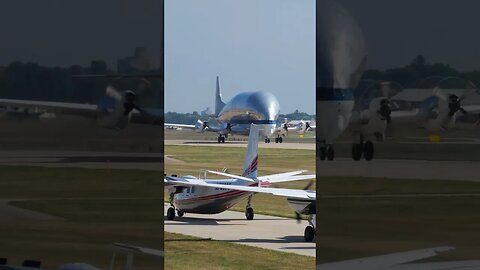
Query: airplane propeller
298,217
202,125
454,102
128,97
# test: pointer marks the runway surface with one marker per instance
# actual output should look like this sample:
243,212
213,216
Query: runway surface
401,169
285,145
383,168
276,233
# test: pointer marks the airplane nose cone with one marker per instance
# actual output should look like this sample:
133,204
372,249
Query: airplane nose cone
341,48
265,103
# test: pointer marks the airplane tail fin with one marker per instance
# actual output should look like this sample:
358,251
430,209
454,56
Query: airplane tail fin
219,104
251,158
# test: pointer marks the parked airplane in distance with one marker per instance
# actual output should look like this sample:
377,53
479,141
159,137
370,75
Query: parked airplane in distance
189,194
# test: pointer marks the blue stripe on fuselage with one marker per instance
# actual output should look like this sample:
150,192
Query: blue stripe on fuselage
247,121
334,94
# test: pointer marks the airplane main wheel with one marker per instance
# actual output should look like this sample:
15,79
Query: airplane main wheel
180,213
330,153
280,139
368,151
276,140
171,213
219,139
223,139
357,151
323,153
249,214
309,234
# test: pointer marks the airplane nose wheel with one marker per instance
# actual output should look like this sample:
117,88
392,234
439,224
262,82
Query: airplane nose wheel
249,213
267,140
309,234
357,150
171,213
368,150
249,210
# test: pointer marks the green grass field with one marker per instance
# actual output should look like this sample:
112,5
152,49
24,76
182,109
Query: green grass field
105,206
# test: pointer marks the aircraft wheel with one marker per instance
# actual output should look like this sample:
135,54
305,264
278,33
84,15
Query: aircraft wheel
323,153
357,151
180,213
223,139
368,151
330,153
268,140
280,139
171,213
276,140
219,139
249,213
309,234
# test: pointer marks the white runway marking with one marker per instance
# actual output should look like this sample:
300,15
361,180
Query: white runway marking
277,233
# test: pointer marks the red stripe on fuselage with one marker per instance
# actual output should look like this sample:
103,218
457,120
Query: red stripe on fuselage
222,195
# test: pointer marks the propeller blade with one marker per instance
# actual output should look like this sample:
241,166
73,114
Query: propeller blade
440,94
110,91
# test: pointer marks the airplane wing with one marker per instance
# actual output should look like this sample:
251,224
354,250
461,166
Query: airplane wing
455,265
279,175
57,107
275,178
180,126
388,261
473,109
284,192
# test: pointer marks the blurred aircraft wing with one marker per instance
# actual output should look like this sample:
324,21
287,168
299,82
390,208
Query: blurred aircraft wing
179,126
389,261
56,107
473,109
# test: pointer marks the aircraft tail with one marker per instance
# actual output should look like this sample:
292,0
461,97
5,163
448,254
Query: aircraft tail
219,104
251,158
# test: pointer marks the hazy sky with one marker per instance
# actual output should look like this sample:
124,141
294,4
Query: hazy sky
397,30
64,33
251,44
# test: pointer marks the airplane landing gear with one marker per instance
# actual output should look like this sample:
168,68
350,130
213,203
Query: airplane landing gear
279,139
267,140
368,151
221,139
327,152
357,150
249,213
309,234
171,213
180,213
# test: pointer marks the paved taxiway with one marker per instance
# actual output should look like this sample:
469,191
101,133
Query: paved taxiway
277,233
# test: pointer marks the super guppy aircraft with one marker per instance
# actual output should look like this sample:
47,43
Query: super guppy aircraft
189,194
234,117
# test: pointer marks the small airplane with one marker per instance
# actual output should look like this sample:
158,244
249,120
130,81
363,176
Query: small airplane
261,108
189,194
